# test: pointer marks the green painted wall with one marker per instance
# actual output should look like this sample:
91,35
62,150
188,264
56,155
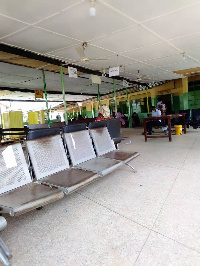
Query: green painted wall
138,108
89,114
194,99
176,103
153,101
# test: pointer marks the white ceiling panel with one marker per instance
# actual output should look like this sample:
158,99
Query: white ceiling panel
91,52
2,75
110,62
77,23
151,52
32,11
142,67
145,9
52,76
162,76
19,70
128,39
194,53
179,23
174,59
9,26
38,40
13,79
188,42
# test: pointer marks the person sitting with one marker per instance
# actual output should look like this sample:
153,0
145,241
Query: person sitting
99,117
156,123
120,116
135,120
58,116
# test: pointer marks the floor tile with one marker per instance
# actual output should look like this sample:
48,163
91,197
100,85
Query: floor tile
73,231
139,196
161,251
179,218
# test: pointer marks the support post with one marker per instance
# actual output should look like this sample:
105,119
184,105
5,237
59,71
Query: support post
45,92
99,96
92,110
147,101
63,92
129,111
115,97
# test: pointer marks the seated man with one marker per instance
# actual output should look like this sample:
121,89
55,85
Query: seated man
150,124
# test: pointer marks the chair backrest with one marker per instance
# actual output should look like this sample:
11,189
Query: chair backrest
37,126
57,124
102,140
97,124
74,128
13,168
113,126
79,145
47,155
196,115
40,133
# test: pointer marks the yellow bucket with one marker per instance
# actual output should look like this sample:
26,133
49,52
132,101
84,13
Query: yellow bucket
178,130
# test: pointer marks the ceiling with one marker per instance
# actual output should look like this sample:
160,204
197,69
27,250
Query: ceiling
151,41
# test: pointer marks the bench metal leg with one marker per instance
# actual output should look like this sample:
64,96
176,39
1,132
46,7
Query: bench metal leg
131,167
4,258
4,248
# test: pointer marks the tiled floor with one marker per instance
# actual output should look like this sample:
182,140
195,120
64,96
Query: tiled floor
151,217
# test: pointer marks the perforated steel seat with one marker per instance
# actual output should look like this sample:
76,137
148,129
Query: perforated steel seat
83,156
51,166
105,147
18,194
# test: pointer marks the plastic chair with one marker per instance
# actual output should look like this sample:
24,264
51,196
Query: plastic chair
113,126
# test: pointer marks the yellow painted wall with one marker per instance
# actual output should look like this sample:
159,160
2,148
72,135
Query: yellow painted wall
33,118
13,119
41,117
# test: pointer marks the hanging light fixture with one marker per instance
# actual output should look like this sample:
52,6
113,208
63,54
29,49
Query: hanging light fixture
92,11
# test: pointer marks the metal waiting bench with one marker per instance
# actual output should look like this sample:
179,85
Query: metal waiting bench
104,145
82,153
50,163
4,252
18,193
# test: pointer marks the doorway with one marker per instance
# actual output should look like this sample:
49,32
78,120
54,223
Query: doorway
167,98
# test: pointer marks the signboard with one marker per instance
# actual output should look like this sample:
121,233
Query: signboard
72,71
95,79
113,71
38,94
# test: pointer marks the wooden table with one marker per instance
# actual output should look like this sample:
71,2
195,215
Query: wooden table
163,117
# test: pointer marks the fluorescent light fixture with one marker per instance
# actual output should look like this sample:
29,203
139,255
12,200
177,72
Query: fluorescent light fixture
92,11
